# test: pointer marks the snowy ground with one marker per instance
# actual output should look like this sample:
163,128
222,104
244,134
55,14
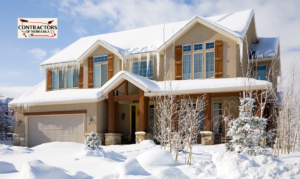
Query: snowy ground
68,160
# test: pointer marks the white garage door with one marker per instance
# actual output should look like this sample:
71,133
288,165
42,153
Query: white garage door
64,128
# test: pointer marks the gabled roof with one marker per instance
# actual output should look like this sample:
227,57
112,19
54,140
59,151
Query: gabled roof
150,39
38,95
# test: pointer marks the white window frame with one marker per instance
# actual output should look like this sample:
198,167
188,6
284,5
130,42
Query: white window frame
197,44
191,65
72,78
146,70
266,70
99,63
59,80
210,48
212,111
214,63
187,45
202,65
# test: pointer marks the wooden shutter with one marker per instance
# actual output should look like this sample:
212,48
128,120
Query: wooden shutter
90,72
110,66
178,62
219,59
80,80
49,80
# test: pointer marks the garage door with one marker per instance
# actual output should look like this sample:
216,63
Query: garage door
64,128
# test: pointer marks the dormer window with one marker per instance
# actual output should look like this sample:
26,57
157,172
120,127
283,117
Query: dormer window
100,71
58,79
72,78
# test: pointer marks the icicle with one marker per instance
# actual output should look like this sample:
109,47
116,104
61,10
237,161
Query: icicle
241,49
148,60
157,61
61,66
122,63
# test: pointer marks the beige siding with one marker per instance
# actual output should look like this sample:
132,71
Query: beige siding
91,112
102,117
202,34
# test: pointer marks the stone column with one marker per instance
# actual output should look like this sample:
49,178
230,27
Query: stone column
18,140
141,136
112,138
207,138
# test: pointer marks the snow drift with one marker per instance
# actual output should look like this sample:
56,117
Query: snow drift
156,157
37,169
129,169
7,167
234,166
100,152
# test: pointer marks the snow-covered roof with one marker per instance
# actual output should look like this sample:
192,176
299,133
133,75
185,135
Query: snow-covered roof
266,47
150,39
38,95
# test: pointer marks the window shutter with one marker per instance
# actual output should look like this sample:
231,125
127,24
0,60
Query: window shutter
110,66
178,62
80,80
49,80
219,59
90,72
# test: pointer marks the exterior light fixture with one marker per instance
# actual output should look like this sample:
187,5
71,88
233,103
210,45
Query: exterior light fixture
19,122
90,120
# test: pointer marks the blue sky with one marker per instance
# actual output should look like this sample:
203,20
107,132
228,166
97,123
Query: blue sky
20,58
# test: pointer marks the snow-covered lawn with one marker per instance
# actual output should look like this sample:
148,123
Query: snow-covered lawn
145,160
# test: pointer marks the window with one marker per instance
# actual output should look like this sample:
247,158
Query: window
140,68
100,59
100,74
217,117
186,48
58,79
210,64
100,71
210,45
72,78
197,47
186,67
54,79
198,65
260,72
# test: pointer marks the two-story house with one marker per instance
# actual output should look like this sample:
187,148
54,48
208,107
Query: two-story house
108,83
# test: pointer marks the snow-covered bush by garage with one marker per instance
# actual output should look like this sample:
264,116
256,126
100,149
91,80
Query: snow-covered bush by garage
247,131
93,141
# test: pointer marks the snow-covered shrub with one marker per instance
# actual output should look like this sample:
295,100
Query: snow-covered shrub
93,141
247,131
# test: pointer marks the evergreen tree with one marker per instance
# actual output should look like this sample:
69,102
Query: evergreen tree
247,131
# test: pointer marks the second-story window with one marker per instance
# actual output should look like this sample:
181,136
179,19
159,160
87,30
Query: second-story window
100,71
197,47
210,45
186,67
72,78
140,68
260,72
58,79
186,48
210,64
198,65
